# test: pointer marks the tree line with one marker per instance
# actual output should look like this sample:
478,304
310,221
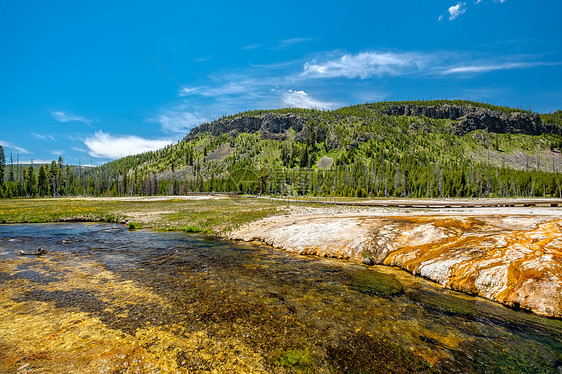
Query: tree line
353,151
17,180
382,175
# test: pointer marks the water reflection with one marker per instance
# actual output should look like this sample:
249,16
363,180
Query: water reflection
105,299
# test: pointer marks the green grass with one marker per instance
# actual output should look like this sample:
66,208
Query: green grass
134,226
208,216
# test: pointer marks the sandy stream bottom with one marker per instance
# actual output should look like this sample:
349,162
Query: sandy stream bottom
107,300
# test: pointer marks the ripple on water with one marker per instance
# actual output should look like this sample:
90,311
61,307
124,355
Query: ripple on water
169,302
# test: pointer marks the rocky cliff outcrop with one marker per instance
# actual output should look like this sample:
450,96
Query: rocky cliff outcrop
515,260
271,126
475,118
467,118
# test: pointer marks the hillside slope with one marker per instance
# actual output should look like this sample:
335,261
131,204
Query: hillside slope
407,149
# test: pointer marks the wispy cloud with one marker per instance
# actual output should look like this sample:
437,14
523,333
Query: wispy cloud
280,45
300,99
203,59
485,68
9,145
364,65
104,145
35,162
377,64
79,149
256,87
252,46
68,117
286,43
180,121
43,136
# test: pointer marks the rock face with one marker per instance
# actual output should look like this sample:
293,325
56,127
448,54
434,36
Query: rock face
467,118
271,126
475,118
516,261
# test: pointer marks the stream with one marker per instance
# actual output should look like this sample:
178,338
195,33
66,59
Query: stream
104,299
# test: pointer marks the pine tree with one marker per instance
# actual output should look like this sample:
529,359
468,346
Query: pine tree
11,174
42,181
2,165
304,157
30,186
68,180
53,175
125,181
60,176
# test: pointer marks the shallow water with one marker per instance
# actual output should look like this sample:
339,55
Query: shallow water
106,300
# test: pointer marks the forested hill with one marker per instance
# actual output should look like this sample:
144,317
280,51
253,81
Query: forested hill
464,118
414,148
402,149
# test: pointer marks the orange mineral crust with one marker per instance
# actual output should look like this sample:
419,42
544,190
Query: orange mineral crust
513,259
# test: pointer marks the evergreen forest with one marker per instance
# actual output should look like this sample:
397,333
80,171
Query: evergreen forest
419,149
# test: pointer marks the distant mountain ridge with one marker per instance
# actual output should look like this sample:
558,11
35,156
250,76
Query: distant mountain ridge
473,118
468,117
405,149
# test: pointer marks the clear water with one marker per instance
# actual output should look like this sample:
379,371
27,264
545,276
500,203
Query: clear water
108,300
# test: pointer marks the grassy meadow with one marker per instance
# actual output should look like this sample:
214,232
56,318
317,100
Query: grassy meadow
213,216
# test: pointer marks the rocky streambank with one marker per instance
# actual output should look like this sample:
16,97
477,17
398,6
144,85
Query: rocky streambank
515,260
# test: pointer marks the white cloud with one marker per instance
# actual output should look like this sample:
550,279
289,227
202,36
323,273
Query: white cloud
203,59
291,83
230,88
36,162
79,149
104,145
9,145
485,68
252,46
281,44
300,99
184,91
285,43
43,136
456,10
363,65
67,117
180,122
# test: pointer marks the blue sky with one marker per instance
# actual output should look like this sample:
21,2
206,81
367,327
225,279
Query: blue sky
94,81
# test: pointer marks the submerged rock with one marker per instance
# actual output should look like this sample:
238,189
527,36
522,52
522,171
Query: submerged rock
40,251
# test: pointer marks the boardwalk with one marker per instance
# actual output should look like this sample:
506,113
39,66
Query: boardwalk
452,203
